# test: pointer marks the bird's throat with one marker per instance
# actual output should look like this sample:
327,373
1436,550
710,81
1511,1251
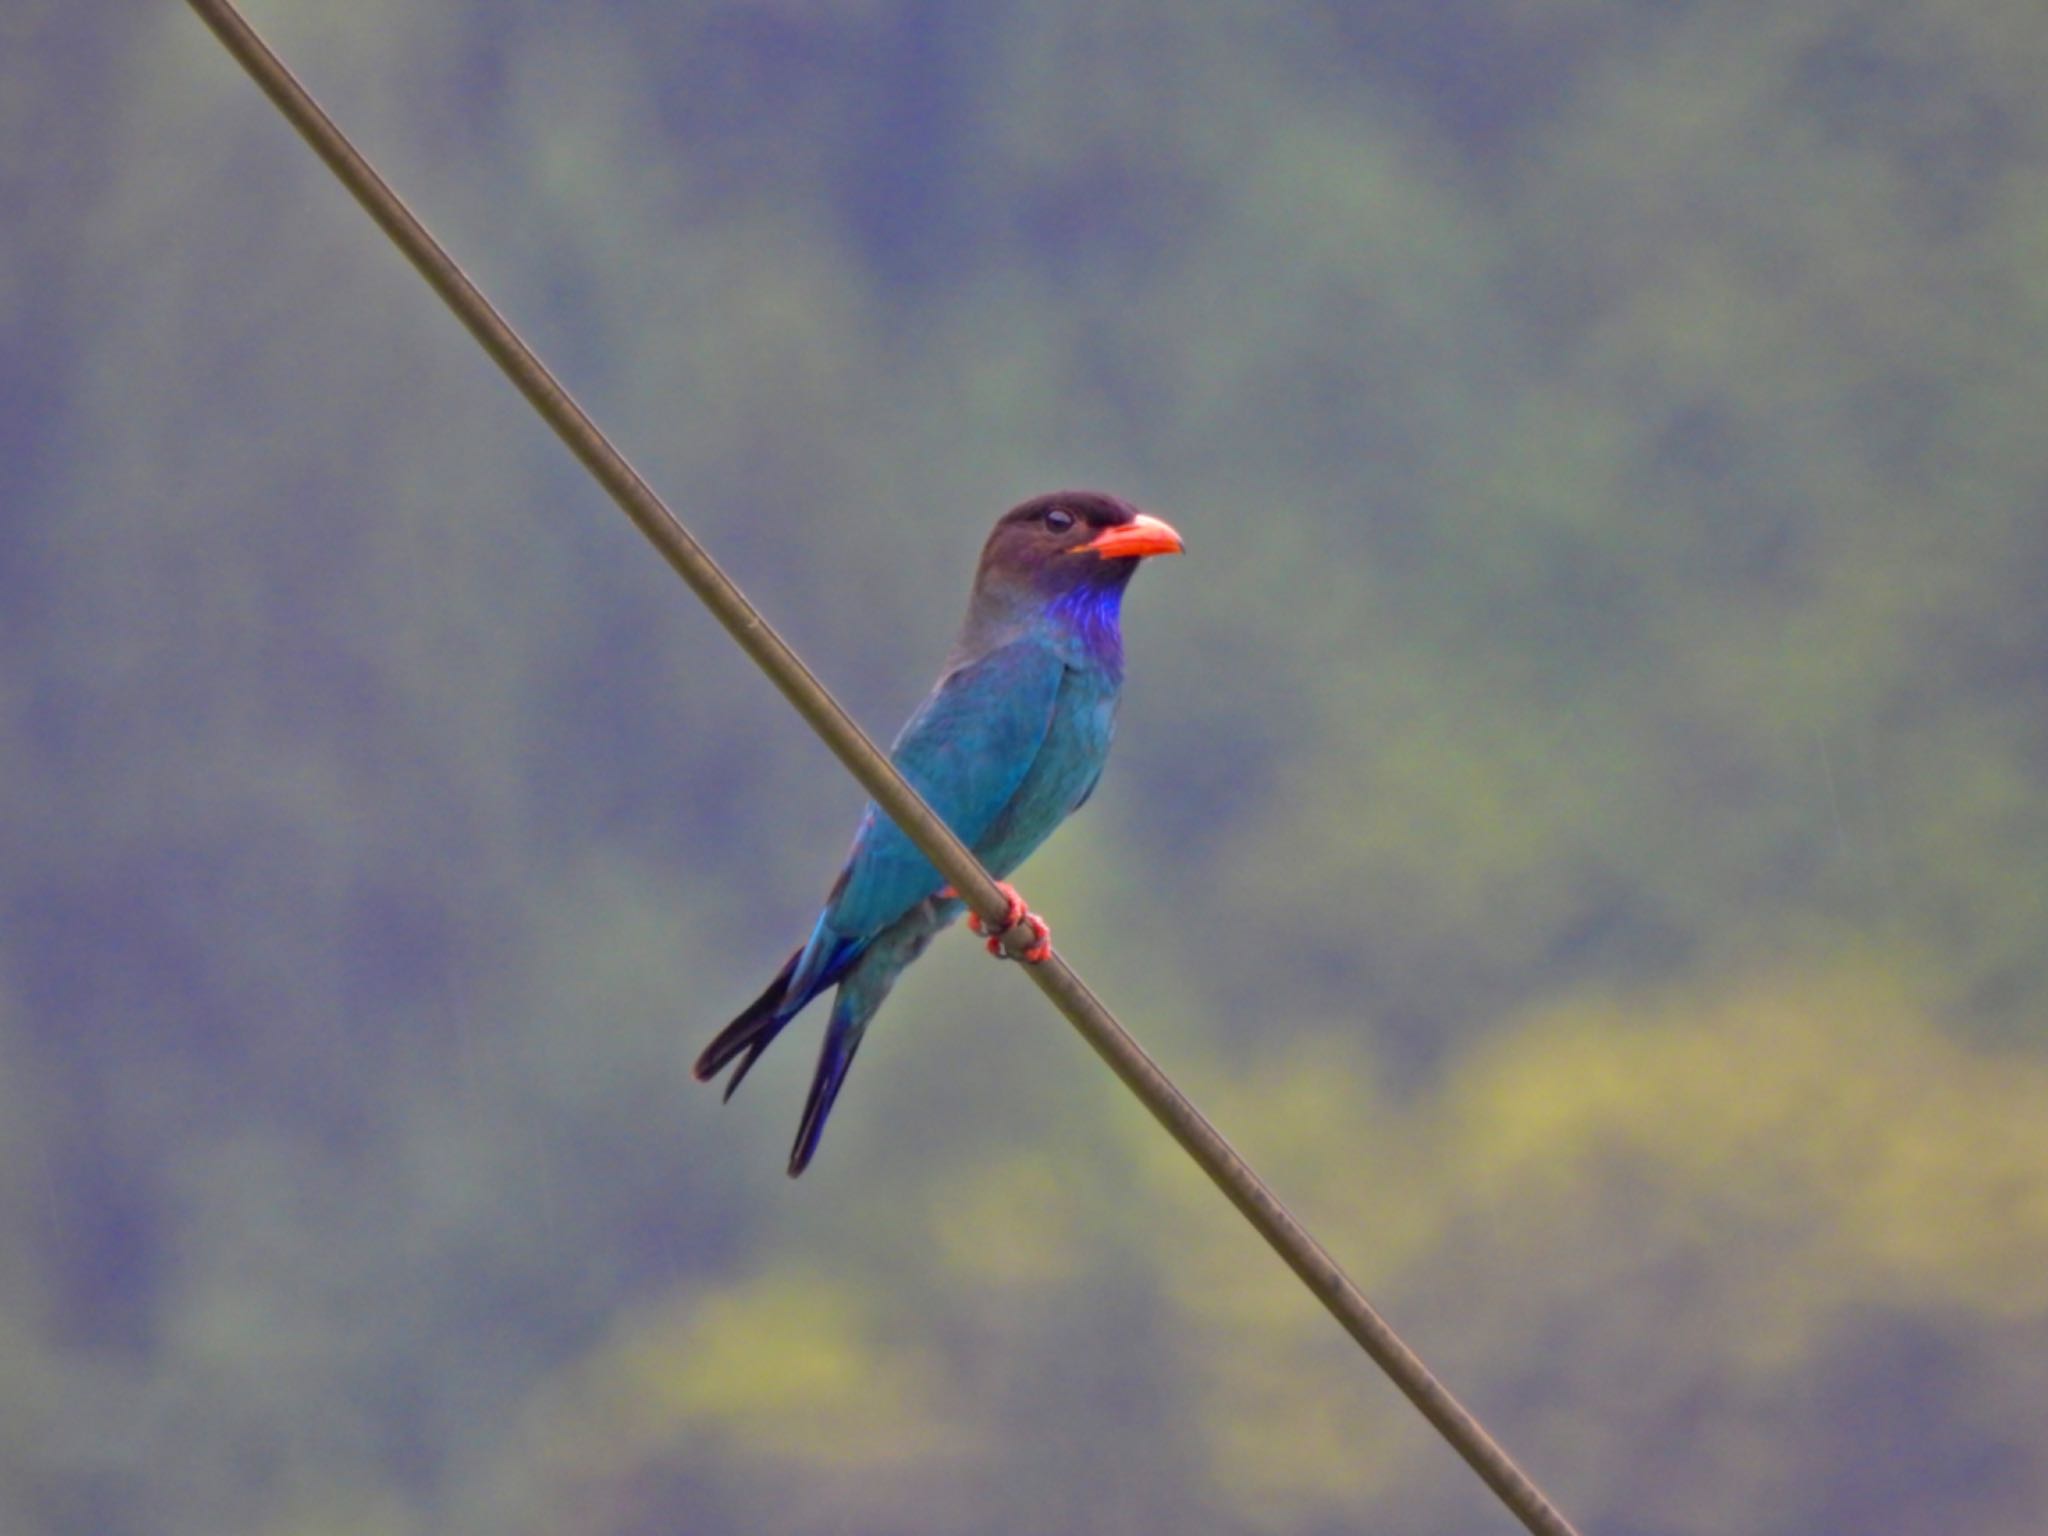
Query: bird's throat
1087,620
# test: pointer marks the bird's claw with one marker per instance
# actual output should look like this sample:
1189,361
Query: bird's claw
1016,912
1040,949
1013,914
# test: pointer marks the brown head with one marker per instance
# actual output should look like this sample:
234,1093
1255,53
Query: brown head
1062,560
1052,544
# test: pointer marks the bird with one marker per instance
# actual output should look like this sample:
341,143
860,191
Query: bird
1010,742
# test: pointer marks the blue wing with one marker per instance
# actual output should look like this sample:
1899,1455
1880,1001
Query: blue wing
966,750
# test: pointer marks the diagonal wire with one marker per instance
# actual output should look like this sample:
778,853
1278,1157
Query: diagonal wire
1197,1137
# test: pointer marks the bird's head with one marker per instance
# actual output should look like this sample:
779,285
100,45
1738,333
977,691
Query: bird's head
1069,542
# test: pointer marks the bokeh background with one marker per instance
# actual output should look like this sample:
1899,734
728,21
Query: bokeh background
1580,821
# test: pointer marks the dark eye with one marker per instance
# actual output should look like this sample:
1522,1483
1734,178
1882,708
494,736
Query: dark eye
1059,519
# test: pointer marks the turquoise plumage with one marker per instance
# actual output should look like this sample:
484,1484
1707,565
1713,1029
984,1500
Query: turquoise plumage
1009,743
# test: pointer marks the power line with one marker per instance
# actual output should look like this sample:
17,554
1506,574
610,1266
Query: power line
1172,1108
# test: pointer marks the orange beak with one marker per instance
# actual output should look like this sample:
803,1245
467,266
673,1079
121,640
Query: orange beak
1143,535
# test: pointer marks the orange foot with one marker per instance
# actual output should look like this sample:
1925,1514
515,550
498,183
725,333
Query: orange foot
1017,912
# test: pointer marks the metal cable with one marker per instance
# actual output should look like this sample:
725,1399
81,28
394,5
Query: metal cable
1172,1108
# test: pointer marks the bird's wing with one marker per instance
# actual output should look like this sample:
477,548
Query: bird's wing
1088,793
966,749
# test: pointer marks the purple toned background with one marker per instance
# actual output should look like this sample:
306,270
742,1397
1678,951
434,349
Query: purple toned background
1579,822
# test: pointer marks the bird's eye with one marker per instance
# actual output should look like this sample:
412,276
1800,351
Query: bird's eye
1059,520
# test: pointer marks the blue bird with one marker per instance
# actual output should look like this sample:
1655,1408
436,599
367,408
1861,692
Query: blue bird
1008,744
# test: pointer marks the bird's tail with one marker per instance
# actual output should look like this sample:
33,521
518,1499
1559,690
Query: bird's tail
747,1036
842,1038
870,973
750,1034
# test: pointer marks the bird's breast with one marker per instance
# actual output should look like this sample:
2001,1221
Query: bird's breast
1060,777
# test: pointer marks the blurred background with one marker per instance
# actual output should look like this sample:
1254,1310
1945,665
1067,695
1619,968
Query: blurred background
1580,821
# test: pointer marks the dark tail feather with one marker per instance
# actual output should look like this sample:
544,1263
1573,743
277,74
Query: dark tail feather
750,1034
842,1039
755,1030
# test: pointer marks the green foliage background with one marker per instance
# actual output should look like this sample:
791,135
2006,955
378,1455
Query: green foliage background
1579,821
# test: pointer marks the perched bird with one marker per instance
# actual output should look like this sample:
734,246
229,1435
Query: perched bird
1009,743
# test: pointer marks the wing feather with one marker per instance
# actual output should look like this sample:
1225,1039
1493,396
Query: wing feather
966,749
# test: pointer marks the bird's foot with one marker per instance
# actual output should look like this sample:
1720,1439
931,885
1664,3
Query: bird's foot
1015,913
